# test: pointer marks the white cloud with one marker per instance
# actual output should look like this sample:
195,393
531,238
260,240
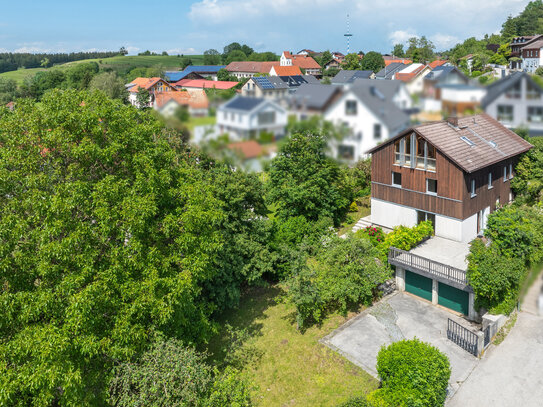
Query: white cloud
132,50
401,36
181,51
444,41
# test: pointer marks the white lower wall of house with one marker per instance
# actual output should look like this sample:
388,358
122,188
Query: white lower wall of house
389,214
449,228
469,228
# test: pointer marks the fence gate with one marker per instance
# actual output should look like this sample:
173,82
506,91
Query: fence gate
463,337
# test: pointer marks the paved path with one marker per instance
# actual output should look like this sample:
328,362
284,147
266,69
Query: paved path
510,374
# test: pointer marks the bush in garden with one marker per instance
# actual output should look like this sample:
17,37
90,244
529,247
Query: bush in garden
413,373
374,233
353,207
344,272
495,278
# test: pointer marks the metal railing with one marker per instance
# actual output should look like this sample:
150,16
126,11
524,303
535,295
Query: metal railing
463,337
402,258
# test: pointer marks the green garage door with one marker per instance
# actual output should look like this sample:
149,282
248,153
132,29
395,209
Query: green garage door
453,298
418,285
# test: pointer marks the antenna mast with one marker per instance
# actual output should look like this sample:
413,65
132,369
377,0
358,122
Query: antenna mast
348,35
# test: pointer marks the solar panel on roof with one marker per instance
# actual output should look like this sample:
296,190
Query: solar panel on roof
263,82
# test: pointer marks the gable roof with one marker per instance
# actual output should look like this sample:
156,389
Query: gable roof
410,72
302,61
315,96
390,60
247,104
377,97
440,72
535,44
196,100
349,76
269,82
286,70
390,70
491,142
174,76
250,66
248,149
496,89
436,63
145,83
205,84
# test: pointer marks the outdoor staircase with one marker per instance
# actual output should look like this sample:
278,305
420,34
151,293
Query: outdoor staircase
362,223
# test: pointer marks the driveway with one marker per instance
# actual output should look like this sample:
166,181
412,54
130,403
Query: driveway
401,316
510,374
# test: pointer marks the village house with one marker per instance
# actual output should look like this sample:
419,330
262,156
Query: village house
516,45
248,69
389,71
434,82
275,87
347,76
452,173
460,99
369,114
153,85
195,100
278,70
516,101
245,118
304,62
313,99
413,76
532,57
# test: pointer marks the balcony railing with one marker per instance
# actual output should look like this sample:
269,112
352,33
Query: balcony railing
441,271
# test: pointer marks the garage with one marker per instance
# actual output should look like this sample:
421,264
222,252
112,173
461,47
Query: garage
419,285
453,298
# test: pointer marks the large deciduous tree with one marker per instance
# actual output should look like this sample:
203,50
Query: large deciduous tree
108,232
304,181
372,61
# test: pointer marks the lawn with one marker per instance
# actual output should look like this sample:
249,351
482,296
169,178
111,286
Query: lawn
291,369
201,121
118,63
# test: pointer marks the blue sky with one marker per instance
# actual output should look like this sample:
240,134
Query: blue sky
186,26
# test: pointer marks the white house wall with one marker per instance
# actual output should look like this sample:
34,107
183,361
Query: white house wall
469,229
360,124
389,214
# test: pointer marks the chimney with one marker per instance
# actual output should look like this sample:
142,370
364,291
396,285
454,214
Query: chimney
453,121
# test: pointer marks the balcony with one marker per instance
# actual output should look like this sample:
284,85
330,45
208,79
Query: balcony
433,269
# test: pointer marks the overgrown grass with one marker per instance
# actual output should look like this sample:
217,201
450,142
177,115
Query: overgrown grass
502,333
290,369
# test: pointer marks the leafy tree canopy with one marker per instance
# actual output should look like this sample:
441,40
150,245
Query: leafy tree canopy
372,61
351,62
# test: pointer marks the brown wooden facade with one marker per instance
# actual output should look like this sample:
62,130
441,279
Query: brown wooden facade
453,198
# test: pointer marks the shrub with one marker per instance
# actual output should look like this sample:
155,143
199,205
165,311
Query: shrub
405,238
229,389
495,278
374,233
353,207
413,373
265,137
343,273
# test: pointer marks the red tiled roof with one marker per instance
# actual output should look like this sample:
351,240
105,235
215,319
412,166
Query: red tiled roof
205,84
287,70
248,149
390,60
144,83
196,100
408,76
250,66
436,63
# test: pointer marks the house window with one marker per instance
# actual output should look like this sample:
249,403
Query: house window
377,131
345,152
430,157
532,92
513,92
473,194
266,118
396,179
424,216
407,151
350,107
505,113
505,173
490,180
535,114
510,171
398,152
431,186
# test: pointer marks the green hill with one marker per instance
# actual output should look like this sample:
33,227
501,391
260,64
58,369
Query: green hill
121,64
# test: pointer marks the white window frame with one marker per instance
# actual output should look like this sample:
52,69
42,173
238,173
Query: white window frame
490,180
396,185
473,194
505,173
510,171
